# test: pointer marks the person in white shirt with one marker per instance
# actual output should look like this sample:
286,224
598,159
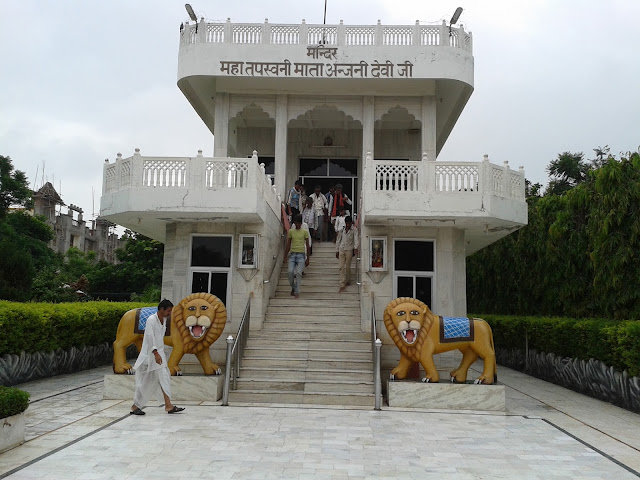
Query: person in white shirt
339,223
346,247
152,373
321,206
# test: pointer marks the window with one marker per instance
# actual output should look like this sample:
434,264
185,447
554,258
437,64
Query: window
248,251
210,265
414,270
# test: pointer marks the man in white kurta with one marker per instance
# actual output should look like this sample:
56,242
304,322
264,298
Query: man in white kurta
153,379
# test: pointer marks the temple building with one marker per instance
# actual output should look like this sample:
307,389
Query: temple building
369,107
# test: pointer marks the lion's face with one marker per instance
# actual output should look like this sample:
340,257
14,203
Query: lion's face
408,322
199,315
408,319
200,319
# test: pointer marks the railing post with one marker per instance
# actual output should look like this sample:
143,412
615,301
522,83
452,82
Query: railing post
444,34
202,31
227,372
522,194
228,33
486,180
118,181
303,34
378,38
425,179
506,179
266,31
416,34
340,34
377,380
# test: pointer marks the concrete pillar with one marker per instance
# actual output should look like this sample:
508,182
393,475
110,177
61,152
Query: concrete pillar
451,292
282,117
429,127
221,127
368,122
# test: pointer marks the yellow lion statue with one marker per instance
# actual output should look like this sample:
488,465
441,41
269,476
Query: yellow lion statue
196,322
419,334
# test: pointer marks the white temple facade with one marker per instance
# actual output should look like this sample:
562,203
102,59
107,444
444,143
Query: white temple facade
369,107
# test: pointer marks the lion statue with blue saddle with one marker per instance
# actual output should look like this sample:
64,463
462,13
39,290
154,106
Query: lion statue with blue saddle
419,334
196,323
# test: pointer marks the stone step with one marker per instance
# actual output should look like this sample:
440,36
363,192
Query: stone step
346,329
265,379
304,363
349,302
306,387
327,310
321,293
319,345
259,396
310,336
305,351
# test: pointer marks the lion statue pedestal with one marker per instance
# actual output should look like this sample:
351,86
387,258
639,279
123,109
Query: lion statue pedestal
419,335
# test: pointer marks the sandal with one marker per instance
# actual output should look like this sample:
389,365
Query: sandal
137,411
175,409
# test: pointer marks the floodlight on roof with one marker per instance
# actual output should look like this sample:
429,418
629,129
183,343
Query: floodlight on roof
456,16
192,14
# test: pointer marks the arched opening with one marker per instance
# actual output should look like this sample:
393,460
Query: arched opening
397,136
253,129
324,147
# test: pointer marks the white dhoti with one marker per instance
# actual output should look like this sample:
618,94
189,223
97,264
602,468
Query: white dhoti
150,385
152,378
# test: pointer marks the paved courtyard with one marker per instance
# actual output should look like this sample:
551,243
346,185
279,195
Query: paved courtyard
547,432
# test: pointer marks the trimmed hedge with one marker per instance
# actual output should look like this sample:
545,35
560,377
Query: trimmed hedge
12,401
44,327
615,343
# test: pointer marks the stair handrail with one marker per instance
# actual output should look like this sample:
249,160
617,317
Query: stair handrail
376,346
284,220
235,352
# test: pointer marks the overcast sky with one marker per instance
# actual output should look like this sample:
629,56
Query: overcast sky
81,80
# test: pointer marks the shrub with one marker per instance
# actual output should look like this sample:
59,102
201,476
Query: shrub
44,327
12,401
615,343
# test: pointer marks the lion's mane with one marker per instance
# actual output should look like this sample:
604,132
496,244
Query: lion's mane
213,332
410,351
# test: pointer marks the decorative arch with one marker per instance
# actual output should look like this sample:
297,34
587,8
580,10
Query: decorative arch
323,116
397,118
253,116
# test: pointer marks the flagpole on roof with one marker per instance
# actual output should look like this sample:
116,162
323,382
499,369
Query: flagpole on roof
325,13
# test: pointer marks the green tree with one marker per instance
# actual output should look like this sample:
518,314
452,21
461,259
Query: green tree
567,171
14,188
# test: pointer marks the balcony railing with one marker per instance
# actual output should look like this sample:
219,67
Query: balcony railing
445,177
190,173
328,35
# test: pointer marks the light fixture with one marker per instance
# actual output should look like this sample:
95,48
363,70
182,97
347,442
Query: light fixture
192,14
454,18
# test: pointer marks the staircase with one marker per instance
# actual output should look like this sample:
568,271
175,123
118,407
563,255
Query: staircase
310,350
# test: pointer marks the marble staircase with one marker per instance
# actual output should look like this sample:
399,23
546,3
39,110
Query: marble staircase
311,350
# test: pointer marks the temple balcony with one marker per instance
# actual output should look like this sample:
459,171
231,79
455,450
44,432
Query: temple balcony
487,201
301,60
145,193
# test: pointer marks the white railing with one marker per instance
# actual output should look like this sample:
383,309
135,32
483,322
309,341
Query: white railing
466,178
396,176
164,173
328,35
190,173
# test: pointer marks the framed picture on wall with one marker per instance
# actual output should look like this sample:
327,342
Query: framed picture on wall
248,251
378,254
